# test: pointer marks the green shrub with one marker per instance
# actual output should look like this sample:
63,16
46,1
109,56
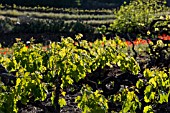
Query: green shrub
137,16
32,25
6,26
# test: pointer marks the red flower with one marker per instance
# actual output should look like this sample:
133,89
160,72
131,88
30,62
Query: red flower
168,37
165,38
128,43
143,42
161,37
164,35
135,42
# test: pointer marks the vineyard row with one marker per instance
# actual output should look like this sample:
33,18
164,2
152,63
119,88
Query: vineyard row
57,10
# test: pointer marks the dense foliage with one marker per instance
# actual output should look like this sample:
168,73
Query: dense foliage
103,74
31,25
107,75
136,17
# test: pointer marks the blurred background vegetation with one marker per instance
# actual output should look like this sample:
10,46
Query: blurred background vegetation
92,18
84,4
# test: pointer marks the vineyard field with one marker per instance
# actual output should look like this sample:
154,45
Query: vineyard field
84,69
92,17
84,56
